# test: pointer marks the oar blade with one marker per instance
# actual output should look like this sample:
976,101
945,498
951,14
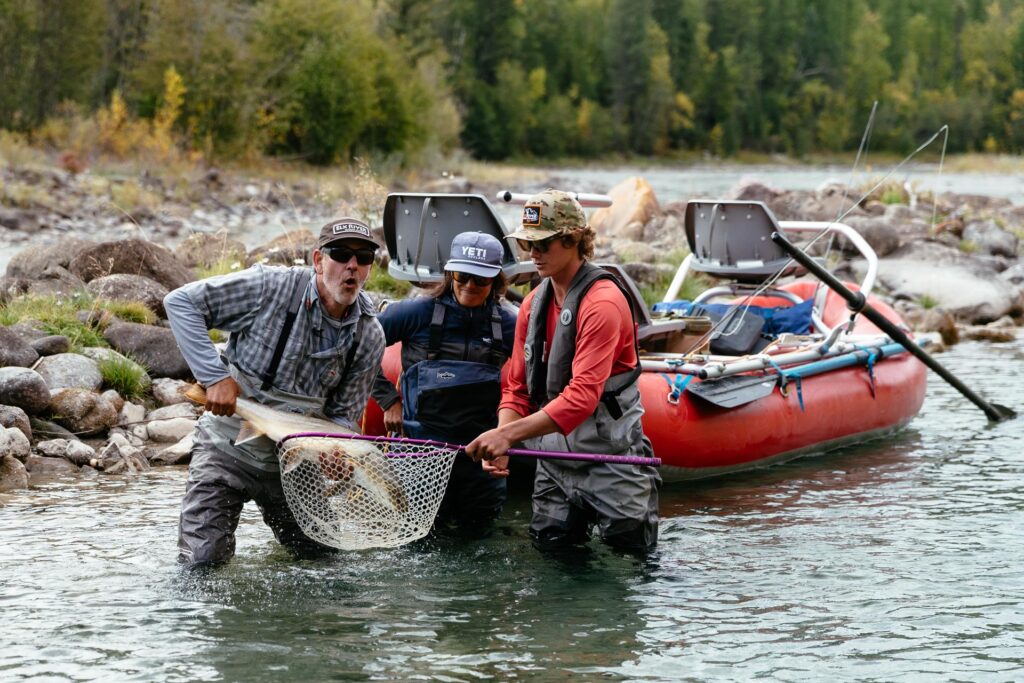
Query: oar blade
737,390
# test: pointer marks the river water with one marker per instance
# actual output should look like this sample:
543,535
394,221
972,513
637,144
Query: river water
896,560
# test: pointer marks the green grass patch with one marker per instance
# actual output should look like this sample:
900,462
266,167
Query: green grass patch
967,246
129,311
55,316
126,376
381,281
927,302
223,266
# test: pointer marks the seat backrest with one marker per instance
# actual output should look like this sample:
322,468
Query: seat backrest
732,239
419,228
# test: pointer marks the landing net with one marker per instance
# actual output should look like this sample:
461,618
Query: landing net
353,493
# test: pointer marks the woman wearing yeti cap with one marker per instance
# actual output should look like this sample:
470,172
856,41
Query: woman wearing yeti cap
454,344
572,386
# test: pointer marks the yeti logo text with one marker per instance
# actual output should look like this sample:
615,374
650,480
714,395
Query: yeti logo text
531,215
338,228
444,376
475,253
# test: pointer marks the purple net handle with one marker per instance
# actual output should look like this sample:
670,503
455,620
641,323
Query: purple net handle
550,455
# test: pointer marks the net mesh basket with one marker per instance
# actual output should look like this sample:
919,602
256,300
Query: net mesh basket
353,493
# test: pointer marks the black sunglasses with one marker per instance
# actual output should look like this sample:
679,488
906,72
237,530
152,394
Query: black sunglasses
463,278
364,257
540,245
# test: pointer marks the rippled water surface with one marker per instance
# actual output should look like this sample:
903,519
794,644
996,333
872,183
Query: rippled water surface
896,560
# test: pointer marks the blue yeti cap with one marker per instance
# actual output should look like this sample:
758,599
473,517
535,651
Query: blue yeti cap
476,253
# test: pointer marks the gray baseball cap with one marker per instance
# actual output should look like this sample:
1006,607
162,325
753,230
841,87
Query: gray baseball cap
476,253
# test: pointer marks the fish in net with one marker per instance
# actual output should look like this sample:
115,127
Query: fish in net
351,493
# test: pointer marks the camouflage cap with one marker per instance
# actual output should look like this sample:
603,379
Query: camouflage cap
549,213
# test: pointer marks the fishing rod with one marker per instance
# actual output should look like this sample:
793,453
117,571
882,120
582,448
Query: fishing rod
857,302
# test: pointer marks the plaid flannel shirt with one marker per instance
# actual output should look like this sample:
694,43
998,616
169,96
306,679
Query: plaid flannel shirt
252,306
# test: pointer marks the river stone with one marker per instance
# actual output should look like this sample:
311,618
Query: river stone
13,475
44,429
186,410
14,442
114,398
991,239
83,411
131,413
55,281
128,287
76,451
633,202
12,416
29,263
204,249
876,231
70,370
38,465
169,431
51,345
169,391
25,389
137,257
14,351
154,347
178,454
287,249
29,330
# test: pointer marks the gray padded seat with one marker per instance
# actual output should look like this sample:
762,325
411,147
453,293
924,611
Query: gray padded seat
419,228
732,240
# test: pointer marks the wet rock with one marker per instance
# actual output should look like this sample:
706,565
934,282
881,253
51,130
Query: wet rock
14,442
76,451
14,351
31,262
25,389
170,431
202,249
82,411
169,391
178,454
38,465
128,287
44,429
137,257
51,345
633,204
13,475
70,370
14,417
152,346
991,239
119,456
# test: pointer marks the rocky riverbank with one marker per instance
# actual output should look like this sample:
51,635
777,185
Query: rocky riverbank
91,379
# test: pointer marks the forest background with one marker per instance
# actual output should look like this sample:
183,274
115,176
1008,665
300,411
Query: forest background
409,81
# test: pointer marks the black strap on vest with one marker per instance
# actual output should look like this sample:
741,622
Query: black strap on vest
282,339
350,356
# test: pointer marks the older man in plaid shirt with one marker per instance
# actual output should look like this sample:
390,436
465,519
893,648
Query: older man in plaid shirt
304,340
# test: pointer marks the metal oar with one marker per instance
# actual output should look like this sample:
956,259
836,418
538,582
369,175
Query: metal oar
858,304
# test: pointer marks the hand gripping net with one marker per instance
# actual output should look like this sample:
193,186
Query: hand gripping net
353,493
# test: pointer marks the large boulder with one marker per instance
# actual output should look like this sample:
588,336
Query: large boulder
30,263
128,287
154,347
25,389
294,246
137,257
954,281
66,370
55,281
83,412
13,474
633,205
991,239
878,232
51,345
16,418
14,350
204,249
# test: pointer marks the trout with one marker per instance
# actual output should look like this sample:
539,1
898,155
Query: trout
351,466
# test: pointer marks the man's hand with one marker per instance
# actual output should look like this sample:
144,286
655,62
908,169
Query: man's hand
393,418
489,445
497,468
221,397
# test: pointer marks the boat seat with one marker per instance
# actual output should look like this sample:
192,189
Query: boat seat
651,333
732,240
419,228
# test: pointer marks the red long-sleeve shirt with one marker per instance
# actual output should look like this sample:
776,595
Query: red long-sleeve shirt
604,347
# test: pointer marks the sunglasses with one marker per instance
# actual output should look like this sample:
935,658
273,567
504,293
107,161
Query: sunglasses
364,257
540,245
464,278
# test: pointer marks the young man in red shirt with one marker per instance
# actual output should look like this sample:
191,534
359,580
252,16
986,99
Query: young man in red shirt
572,386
